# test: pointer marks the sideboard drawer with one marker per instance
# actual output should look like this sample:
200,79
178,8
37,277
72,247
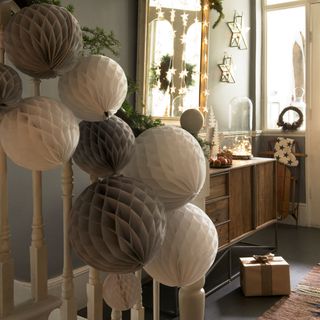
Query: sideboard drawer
223,234
218,211
218,185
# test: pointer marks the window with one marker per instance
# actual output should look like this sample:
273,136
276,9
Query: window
285,60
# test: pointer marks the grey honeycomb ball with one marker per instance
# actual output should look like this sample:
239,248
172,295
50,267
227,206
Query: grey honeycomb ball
43,40
10,87
117,225
105,147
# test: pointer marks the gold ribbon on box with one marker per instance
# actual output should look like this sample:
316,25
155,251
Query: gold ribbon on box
266,272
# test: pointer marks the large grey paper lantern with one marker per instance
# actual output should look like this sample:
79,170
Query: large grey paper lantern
39,134
43,40
97,85
10,87
171,161
117,225
105,147
121,291
189,248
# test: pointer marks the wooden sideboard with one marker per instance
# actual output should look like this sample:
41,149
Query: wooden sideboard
242,198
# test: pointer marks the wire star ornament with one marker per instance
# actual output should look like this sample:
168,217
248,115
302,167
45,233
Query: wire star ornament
236,28
226,70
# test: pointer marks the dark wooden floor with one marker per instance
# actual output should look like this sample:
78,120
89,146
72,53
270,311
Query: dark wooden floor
299,246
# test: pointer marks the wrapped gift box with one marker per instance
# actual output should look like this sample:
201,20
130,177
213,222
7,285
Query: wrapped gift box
264,278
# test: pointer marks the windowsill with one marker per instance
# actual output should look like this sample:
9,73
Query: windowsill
273,132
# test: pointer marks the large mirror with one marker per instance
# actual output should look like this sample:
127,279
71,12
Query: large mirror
170,57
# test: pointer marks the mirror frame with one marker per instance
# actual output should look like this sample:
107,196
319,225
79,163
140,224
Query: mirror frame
141,73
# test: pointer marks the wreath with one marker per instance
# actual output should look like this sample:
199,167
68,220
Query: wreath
290,126
164,66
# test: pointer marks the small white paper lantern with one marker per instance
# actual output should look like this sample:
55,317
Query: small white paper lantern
10,87
43,40
121,291
117,225
171,161
39,134
96,86
192,121
189,248
105,147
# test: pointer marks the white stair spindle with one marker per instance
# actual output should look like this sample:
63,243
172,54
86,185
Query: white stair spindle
94,296
137,311
68,308
156,300
192,301
94,289
38,249
6,261
116,315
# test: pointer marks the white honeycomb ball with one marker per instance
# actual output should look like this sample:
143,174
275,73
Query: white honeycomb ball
121,291
171,161
39,134
189,248
96,86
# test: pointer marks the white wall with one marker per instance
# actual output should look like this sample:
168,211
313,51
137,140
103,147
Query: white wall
222,93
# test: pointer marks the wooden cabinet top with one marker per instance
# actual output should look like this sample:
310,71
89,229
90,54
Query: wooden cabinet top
236,164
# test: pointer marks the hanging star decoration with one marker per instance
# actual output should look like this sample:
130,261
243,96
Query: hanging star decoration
184,18
236,28
172,15
226,70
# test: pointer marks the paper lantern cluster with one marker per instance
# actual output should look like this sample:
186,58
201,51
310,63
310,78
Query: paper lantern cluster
10,87
105,147
117,225
169,160
96,86
189,249
121,291
43,40
39,134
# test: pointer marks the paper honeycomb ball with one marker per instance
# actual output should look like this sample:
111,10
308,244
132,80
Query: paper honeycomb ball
192,121
121,291
189,248
43,40
10,87
117,225
39,134
105,147
171,161
97,85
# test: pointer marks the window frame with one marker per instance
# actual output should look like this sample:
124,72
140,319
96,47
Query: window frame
264,96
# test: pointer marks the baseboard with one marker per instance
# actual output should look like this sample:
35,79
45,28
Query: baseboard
303,221
22,290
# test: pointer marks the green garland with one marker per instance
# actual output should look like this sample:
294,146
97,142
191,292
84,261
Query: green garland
216,5
165,65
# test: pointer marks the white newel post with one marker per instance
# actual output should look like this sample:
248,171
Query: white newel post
192,301
6,261
137,311
68,307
